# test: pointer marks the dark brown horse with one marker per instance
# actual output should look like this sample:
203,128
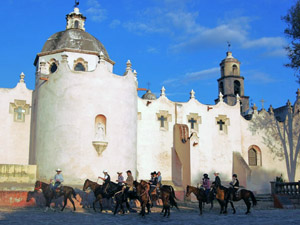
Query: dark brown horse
48,193
94,187
142,190
199,193
223,198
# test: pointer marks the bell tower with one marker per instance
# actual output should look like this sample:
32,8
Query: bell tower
231,83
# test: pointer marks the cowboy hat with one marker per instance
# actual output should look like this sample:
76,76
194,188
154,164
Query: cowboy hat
104,171
58,170
119,172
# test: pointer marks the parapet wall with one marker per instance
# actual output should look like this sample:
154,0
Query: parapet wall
12,176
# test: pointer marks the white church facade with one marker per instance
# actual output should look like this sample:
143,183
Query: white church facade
83,118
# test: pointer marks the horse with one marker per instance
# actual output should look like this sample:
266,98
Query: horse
223,198
121,196
94,186
168,197
200,194
48,193
142,190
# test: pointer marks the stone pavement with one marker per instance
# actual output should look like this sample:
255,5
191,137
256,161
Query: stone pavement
188,214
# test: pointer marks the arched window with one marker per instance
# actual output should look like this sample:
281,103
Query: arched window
237,88
53,67
76,25
252,155
221,88
79,67
234,70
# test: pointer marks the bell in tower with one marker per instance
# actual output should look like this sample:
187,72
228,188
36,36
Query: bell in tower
231,83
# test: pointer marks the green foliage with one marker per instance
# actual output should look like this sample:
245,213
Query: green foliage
293,32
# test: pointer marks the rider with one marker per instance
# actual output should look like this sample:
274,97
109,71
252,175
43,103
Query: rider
106,180
217,179
129,180
120,179
153,183
159,178
206,185
58,179
234,186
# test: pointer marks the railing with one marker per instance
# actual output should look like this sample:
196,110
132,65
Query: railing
285,188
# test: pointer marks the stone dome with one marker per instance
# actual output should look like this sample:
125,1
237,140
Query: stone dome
74,39
149,95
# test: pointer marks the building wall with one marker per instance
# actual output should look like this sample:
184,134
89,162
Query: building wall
14,135
66,108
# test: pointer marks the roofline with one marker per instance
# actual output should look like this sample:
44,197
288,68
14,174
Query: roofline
70,50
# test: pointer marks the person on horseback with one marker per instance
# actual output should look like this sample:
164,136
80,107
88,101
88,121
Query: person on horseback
106,180
234,186
206,185
58,179
159,178
120,179
129,180
153,183
217,179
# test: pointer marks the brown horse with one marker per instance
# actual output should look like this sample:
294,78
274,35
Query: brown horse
168,197
223,198
142,190
48,193
199,193
94,187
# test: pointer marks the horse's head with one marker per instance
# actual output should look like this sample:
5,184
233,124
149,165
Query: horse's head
38,186
29,195
188,190
86,184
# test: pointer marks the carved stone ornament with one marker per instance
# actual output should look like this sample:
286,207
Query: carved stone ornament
100,146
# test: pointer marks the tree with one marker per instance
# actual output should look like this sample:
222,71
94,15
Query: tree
282,138
293,32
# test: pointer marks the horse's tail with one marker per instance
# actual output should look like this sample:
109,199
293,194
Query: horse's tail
254,201
173,193
74,195
173,202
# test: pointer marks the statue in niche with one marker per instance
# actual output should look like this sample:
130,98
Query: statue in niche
100,132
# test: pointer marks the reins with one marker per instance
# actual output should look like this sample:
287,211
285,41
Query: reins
39,187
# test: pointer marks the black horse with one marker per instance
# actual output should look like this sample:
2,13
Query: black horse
101,192
122,196
223,198
66,191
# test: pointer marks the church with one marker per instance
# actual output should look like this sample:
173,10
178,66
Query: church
83,119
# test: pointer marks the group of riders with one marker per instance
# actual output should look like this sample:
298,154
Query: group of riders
233,185
155,181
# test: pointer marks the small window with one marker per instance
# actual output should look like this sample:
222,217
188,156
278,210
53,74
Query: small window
237,88
252,154
221,88
79,67
76,25
234,69
53,67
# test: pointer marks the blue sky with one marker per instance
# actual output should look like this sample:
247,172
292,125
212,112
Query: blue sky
177,44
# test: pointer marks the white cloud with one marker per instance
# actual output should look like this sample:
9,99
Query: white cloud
115,23
152,50
206,74
268,42
95,11
259,77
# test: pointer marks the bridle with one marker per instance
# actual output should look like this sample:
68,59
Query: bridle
39,187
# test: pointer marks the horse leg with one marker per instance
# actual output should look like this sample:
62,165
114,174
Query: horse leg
116,208
122,208
148,208
71,200
200,207
232,206
248,204
65,203
211,205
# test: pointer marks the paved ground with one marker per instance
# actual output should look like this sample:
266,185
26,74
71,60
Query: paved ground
264,213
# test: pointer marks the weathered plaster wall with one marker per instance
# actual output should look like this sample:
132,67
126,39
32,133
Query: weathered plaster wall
14,135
